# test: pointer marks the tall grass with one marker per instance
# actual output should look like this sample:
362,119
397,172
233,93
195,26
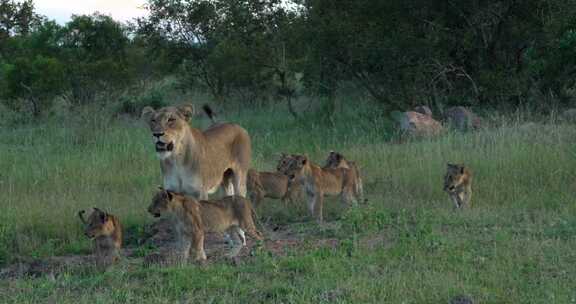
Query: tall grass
516,245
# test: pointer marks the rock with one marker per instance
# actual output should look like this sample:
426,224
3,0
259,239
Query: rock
418,124
423,110
569,115
462,118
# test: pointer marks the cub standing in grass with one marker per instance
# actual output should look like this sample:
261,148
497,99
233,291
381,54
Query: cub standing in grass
106,231
458,184
318,182
272,185
193,218
337,160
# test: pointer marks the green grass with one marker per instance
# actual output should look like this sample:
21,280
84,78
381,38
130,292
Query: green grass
517,244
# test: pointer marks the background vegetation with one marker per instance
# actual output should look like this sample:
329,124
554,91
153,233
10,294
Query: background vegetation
501,53
304,77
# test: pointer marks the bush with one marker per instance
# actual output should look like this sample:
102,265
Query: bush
133,105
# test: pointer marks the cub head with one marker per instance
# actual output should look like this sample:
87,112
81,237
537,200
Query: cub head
162,202
168,126
336,160
99,223
292,165
455,175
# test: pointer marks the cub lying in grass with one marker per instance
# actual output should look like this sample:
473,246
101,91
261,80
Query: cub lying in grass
193,218
106,231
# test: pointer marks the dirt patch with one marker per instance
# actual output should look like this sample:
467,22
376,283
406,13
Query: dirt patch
279,241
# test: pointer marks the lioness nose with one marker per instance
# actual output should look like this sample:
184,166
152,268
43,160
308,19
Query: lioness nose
158,134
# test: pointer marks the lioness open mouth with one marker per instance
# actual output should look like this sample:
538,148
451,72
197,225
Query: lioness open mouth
163,147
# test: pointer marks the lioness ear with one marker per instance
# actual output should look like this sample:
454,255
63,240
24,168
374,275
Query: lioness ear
103,217
186,110
462,169
147,113
304,160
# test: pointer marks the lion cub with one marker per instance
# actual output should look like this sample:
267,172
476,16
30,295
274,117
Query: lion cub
337,160
106,231
318,182
458,184
193,218
272,185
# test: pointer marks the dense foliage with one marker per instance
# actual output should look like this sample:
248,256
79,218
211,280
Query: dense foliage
401,53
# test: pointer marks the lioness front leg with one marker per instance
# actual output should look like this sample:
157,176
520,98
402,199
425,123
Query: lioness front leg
239,181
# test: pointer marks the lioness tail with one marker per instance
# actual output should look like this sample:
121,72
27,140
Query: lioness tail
209,112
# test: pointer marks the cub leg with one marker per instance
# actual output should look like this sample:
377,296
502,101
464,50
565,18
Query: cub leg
456,200
239,238
320,207
198,246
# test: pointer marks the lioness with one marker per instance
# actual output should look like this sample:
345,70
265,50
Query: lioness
337,160
458,184
318,182
196,162
193,218
272,185
106,231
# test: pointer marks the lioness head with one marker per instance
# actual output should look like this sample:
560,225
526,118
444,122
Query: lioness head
99,223
168,126
292,165
162,202
454,177
335,160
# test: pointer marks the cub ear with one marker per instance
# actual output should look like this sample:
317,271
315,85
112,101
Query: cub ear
160,188
187,110
169,194
103,217
450,166
338,156
147,112
462,169
303,160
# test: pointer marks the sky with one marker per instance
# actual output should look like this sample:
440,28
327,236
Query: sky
61,10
